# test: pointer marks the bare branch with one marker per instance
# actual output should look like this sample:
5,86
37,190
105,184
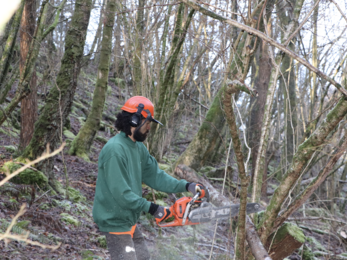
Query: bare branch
266,38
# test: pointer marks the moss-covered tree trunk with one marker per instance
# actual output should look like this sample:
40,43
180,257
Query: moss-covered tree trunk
261,165
10,43
168,91
23,88
83,141
300,159
29,103
140,26
261,84
48,128
204,142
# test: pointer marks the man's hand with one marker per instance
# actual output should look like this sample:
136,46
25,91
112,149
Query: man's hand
160,213
194,188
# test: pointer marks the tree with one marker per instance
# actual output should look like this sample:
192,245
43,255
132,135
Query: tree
29,103
48,128
83,141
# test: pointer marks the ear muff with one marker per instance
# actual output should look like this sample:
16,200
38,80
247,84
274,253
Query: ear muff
136,118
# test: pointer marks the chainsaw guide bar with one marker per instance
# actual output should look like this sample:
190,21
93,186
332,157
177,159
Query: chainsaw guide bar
207,213
193,211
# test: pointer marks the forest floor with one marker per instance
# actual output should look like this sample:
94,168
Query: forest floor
53,218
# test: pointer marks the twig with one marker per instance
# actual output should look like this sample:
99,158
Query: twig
147,7
89,185
24,237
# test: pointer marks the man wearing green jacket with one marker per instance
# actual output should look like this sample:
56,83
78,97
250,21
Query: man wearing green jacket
124,164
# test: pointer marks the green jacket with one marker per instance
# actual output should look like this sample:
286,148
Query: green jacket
123,166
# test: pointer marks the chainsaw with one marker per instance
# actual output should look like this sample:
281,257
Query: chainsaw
193,210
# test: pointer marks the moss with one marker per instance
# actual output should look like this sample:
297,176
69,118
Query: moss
101,139
10,148
164,167
102,241
70,219
307,254
207,169
75,195
23,224
69,134
316,244
9,133
28,176
44,206
87,255
65,204
291,229
158,195
161,203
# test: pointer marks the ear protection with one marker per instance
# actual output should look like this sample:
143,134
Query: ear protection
136,118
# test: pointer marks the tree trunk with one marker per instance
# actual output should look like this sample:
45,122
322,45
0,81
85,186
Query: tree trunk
23,87
261,84
300,159
140,27
48,128
275,72
168,92
83,141
10,43
204,142
241,222
29,103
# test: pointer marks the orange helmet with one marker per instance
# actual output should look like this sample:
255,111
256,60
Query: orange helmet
131,106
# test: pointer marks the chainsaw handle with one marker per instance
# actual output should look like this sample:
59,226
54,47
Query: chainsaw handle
163,223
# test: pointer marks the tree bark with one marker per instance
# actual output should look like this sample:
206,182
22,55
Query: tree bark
48,128
83,141
324,173
140,27
29,103
10,43
241,222
268,39
204,142
300,159
168,92
23,87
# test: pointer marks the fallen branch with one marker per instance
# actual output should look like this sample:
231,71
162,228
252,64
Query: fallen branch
216,197
257,248
7,236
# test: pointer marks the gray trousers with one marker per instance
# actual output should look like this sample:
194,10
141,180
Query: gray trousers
124,247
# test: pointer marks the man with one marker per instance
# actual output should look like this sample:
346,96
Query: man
124,163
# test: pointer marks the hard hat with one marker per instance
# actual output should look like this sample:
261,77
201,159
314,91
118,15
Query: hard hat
132,104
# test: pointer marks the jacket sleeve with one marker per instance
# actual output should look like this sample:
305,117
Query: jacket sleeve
119,185
159,179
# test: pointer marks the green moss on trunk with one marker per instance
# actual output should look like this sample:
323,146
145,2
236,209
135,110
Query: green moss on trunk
82,143
59,101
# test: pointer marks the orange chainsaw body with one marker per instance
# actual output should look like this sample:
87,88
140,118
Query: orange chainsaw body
177,211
